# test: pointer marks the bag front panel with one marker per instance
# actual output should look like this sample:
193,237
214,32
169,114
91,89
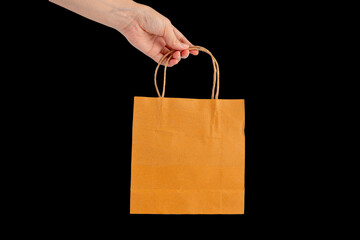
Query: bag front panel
188,156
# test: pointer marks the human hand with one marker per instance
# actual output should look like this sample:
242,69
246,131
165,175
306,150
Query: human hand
152,33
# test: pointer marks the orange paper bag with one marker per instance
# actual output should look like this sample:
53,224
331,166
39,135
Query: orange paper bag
188,155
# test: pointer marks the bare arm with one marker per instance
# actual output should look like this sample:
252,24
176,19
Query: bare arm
147,30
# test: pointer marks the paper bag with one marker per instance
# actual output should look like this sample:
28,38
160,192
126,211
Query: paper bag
188,155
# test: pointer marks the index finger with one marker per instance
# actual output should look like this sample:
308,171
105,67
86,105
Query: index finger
183,39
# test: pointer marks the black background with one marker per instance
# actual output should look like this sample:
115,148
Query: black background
85,99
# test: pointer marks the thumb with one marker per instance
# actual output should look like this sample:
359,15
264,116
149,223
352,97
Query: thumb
172,41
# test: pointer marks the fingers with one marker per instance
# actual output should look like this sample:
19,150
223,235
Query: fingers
183,39
194,52
173,62
185,54
176,56
175,59
155,36
175,40
172,40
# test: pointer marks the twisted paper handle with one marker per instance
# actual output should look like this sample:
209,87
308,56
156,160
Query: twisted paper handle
169,55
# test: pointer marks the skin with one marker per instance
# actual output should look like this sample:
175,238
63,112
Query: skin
146,29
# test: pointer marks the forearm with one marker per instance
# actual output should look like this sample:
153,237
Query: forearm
116,14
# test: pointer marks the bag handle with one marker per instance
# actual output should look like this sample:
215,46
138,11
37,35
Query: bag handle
169,55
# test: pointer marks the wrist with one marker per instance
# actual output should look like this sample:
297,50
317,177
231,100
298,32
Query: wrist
124,14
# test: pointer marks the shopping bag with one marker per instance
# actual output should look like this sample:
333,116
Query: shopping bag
188,155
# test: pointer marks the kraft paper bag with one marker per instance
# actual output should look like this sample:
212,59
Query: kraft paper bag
188,155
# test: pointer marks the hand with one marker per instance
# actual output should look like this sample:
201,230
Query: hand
153,34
